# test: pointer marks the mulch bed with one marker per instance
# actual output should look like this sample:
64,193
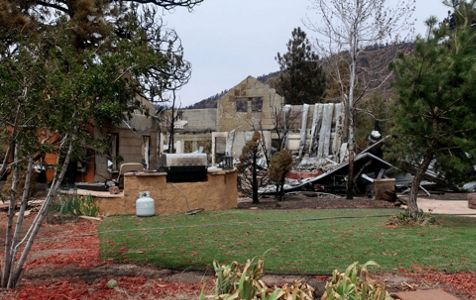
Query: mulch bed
62,266
74,243
463,284
128,288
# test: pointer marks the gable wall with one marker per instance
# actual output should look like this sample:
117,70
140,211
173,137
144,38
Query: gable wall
228,118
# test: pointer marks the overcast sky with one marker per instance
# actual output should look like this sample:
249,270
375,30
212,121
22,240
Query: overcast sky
227,40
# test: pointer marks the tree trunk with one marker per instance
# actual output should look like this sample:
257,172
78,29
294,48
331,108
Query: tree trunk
172,131
281,189
350,114
3,168
351,150
7,260
350,178
172,127
412,200
19,221
42,213
255,178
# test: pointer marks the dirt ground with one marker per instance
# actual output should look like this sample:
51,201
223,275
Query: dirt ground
451,207
299,200
65,264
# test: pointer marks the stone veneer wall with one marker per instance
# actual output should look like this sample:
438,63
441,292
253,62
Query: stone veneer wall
229,119
218,193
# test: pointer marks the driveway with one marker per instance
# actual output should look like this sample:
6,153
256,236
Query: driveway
451,207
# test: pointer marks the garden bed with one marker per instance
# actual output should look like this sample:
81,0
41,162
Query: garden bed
65,264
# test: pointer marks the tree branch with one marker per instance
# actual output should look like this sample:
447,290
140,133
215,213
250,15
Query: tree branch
54,6
168,4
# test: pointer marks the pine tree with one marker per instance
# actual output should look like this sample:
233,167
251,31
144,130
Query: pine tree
50,81
88,18
436,114
302,79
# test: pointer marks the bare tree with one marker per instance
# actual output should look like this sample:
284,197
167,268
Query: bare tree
173,71
262,141
172,125
170,118
283,118
346,30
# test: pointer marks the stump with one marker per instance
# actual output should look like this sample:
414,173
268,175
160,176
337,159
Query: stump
472,200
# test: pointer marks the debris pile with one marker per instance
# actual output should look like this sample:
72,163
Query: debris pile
32,206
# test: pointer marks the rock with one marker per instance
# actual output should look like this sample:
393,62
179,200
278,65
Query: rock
111,284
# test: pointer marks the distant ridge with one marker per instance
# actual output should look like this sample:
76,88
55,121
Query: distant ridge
377,55
211,102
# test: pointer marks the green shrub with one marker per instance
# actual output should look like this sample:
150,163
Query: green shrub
281,164
406,219
76,205
234,281
354,284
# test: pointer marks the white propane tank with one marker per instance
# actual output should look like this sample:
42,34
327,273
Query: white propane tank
145,205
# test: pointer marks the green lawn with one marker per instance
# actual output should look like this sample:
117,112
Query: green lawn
297,241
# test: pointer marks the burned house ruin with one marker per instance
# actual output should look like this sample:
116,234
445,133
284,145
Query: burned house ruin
309,131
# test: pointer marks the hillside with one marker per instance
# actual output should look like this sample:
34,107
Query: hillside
211,102
374,62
